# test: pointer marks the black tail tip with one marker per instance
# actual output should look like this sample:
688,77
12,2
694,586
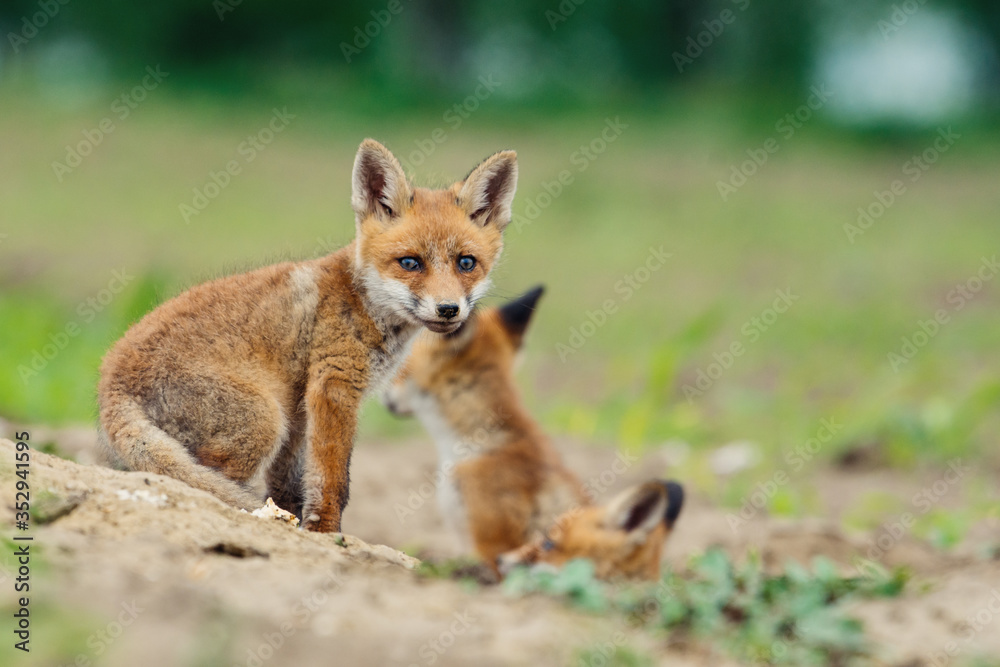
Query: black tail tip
675,501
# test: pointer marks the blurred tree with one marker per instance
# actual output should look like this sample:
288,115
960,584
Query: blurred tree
550,46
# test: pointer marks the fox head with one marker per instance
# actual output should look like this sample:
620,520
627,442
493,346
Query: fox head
467,373
424,256
624,539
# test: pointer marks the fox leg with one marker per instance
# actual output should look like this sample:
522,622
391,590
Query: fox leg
284,478
242,439
132,441
332,409
496,507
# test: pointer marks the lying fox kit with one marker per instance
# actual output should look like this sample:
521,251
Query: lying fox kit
623,538
258,377
505,485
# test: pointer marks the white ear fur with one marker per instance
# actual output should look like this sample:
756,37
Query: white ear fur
379,185
488,192
637,510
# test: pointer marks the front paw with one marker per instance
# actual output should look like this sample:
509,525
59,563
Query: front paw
317,523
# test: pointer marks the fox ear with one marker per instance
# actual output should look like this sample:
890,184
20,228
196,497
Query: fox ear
638,510
675,501
516,315
379,185
488,191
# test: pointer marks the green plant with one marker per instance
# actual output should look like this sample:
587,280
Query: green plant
795,617
466,570
575,582
610,654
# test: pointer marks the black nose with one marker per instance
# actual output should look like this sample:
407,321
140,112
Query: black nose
447,310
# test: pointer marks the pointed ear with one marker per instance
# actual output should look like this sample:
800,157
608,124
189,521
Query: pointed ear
637,510
379,185
675,501
516,315
488,192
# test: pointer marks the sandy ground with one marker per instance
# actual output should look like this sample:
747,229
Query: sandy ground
147,571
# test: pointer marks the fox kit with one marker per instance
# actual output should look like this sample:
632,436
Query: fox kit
258,377
504,484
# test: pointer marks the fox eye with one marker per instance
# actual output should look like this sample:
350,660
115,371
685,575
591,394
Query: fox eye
409,263
548,545
466,263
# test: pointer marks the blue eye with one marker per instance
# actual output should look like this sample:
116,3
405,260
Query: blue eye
466,263
548,545
409,263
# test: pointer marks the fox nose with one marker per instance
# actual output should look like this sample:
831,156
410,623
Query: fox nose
447,310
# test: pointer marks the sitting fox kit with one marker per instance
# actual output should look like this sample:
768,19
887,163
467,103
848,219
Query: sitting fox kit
505,485
258,377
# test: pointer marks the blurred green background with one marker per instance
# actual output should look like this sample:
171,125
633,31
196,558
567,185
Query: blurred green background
844,154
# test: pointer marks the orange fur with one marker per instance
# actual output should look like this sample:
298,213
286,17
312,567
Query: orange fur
504,482
259,376
624,539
